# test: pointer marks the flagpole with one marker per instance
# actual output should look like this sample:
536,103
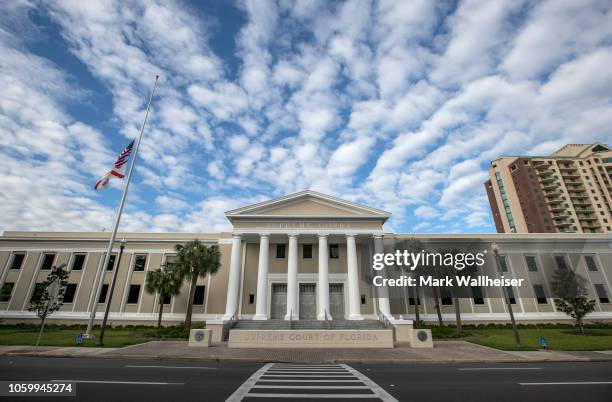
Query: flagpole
102,269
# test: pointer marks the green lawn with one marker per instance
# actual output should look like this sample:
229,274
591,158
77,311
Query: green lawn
56,335
561,337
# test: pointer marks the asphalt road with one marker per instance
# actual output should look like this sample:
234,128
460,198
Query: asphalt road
178,381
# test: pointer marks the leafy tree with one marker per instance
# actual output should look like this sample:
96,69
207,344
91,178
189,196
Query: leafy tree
166,282
42,302
571,295
195,260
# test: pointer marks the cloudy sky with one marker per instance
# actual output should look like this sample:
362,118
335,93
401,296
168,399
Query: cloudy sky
400,105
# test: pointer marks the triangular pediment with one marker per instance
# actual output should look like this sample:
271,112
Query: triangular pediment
307,204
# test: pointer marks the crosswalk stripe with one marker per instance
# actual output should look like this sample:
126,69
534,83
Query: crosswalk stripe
349,383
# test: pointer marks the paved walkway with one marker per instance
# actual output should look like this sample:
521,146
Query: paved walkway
443,352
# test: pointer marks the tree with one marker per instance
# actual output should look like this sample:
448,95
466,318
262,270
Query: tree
571,295
413,245
195,260
166,282
43,303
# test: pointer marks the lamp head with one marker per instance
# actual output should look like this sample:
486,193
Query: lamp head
495,247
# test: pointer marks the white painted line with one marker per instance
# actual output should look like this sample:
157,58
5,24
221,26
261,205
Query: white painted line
377,389
568,383
497,368
173,367
292,381
121,382
243,390
309,375
313,396
311,386
321,373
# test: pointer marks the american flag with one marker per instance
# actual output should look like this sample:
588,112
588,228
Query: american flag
117,170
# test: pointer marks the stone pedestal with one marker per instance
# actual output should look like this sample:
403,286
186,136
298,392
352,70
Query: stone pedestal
403,330
200,338
217,329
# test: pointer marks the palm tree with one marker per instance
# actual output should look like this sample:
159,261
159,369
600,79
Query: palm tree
195,260
412,245
164,281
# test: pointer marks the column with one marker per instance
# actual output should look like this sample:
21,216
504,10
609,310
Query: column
382,292
292,285
323,279
353,279
233,282
261,306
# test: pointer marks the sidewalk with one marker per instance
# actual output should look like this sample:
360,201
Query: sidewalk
443,352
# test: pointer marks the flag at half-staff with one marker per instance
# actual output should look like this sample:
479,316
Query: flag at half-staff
118,169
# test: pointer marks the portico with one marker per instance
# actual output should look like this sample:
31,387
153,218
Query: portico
309,250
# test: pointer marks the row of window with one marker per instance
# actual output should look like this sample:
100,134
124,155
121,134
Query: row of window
532,263
78,262
281,251
140,260
538,290
70,292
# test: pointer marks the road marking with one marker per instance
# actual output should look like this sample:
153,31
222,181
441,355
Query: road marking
313,396
172,367
568,383
121,382
311,386
274,380
497,368
333,378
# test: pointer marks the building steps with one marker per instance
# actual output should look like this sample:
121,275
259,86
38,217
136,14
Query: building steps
308,324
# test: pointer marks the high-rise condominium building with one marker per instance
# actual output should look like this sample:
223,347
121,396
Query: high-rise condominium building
568,191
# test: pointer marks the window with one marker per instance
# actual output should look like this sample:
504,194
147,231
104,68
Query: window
17,261
334,251
446,297
477,295
532,263
133,294
503,263
111,263
5,292
540,294
411,301
560,260
511,295
70,292
251,298
198,297
38,289
47,263
601,293
280,250
363,299
102,298
78,262
167,299
590,262
140,262
307,250
171,259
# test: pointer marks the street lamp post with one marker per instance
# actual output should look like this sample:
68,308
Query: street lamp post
517,339
110,296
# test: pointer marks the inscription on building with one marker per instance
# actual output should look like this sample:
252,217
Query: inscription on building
310,339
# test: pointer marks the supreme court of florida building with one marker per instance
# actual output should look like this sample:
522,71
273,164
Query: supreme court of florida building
303,257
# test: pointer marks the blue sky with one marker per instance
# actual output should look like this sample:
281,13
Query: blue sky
397,105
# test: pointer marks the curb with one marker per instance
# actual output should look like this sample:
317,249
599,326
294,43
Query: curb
346,361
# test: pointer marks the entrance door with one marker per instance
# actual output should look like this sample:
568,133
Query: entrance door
278,301
308,301
336,300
